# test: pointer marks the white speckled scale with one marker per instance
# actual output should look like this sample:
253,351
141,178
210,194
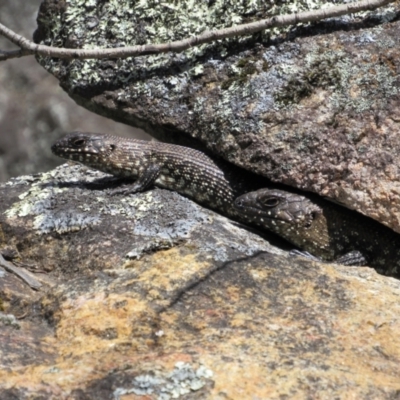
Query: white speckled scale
182,169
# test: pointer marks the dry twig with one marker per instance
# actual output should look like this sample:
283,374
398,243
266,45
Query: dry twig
28,48
27,278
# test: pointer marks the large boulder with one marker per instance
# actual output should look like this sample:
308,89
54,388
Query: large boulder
150,296
315,107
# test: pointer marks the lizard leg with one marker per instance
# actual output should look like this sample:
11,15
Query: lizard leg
304,254
353,258
145,180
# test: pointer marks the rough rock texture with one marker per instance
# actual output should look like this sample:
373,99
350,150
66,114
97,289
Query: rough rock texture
315,107
151,297
34,110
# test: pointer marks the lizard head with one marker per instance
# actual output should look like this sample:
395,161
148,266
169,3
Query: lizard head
95,150
82,147
268,207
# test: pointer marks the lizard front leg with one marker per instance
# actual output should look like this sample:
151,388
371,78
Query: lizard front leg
353,258
147,176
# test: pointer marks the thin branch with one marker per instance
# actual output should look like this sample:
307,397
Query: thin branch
28,47
25,276
7,55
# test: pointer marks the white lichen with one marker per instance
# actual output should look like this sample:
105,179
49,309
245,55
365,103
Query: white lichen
182,380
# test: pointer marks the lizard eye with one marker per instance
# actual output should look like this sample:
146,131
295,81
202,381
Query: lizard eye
308,224
79,142
270,202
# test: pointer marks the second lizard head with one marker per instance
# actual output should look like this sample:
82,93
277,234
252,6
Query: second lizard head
287,214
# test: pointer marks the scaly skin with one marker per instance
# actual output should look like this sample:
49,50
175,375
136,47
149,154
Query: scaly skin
323,229
182,169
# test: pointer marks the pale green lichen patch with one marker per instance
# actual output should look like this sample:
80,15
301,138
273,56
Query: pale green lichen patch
151,246
125,23
137,206
338,73
320,71
45,201
9,320
374,82
181,381
33,201
64,222
41,201
322,86
171,83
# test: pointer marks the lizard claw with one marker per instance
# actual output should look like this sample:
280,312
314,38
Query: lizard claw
117,191
304,254
125,190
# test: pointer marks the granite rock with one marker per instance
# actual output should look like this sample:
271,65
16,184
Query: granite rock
314,106
150,296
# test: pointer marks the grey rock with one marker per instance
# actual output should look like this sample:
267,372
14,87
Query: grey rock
72,200
315,107
150,294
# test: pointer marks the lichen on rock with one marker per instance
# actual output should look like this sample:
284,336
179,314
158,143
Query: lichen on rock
313,106
193,307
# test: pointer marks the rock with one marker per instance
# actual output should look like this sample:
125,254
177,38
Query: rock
315,107
151,296
34,112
